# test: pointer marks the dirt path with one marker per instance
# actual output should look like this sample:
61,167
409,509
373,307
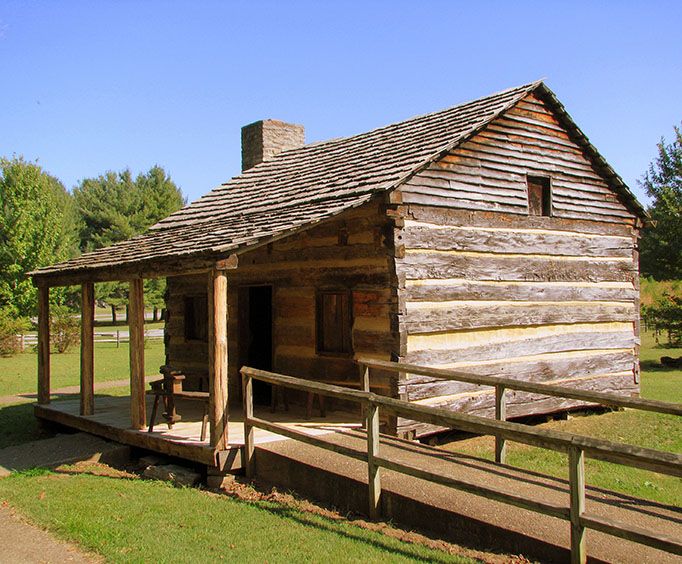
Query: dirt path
23,542
69,390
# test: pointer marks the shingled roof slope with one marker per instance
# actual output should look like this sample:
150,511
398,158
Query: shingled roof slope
302,186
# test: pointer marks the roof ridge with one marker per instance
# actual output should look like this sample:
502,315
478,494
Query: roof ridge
523,87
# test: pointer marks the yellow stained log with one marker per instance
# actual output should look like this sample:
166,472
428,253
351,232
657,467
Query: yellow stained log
217,356
43,344
138,413
87,404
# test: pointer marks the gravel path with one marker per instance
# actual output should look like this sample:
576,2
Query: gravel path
70,390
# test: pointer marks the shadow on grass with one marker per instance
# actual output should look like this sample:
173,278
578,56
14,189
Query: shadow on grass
656,366
339,527
19,425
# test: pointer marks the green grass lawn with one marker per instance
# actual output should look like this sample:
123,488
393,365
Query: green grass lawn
132,520
646,429
18,373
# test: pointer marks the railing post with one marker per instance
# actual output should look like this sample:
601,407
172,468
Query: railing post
373,470
500,415
365,388
365,379
576,476
247,395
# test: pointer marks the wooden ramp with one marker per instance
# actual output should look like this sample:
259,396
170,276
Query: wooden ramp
461,517
111,420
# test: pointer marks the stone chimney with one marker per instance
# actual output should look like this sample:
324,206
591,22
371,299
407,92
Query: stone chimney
263,139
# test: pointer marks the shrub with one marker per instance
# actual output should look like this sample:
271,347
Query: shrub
11,326
64,329
665,315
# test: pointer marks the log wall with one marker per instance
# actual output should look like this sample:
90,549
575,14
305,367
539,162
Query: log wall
485,288
347,252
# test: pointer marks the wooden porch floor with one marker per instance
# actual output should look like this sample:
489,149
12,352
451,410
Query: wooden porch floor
111,420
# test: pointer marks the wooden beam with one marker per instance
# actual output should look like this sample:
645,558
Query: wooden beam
87,349
217,358
247,393
500,415
43,344
576,481
143,269
138,412
373,470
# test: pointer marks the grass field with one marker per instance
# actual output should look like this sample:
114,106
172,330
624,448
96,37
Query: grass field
18,373
221,528
652,430
206,527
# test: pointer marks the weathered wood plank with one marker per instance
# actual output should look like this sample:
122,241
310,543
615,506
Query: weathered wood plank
422,265
541,369
487,219
472,315
510,241
518,291
533,345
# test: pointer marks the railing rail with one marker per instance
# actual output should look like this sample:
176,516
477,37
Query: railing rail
502,384
576,446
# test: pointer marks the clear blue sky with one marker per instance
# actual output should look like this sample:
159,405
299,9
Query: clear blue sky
95,86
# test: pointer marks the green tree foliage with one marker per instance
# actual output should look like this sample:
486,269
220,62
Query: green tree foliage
114,207
37,228
661,244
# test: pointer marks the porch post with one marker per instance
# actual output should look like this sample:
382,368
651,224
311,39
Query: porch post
87,348
43,344
217,358
138,412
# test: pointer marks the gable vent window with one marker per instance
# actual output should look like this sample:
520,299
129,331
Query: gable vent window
539,196
196,318
334,322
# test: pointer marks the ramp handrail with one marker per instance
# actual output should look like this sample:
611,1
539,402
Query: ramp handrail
576,446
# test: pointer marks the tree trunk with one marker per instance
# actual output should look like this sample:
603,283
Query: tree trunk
155,314
113,314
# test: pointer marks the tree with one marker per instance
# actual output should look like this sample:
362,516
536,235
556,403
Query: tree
661,244
37,228
114,207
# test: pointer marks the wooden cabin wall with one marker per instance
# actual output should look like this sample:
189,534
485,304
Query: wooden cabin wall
346,252
486,288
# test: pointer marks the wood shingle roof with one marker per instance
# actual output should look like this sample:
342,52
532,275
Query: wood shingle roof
303,186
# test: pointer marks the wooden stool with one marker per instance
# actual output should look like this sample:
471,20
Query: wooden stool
199,396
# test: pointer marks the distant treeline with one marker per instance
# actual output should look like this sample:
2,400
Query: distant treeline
41,223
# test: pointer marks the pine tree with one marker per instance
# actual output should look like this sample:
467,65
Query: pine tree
661,244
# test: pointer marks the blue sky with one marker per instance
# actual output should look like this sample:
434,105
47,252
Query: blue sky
95,86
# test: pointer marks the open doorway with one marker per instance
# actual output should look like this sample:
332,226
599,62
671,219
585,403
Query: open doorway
255,318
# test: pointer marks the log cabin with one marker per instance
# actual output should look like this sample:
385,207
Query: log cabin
490,237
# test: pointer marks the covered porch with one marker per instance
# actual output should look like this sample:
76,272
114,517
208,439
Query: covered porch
111,420
127,419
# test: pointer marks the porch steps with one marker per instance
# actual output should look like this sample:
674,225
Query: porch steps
62,449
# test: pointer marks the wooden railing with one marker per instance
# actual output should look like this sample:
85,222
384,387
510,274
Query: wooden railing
577,447
502,384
